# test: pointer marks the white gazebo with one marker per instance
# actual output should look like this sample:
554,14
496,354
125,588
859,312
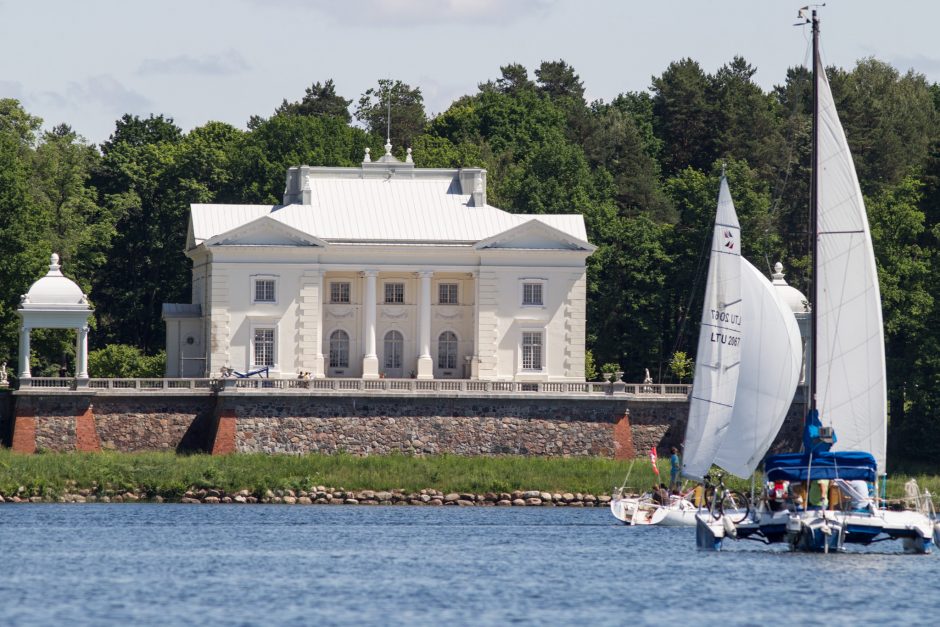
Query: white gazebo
55,302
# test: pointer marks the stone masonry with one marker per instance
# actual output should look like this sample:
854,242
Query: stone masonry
358,424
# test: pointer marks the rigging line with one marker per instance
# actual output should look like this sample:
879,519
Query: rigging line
696,279
781,185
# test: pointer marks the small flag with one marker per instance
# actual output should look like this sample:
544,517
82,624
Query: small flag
653,459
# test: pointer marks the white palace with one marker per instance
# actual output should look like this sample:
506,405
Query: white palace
382,270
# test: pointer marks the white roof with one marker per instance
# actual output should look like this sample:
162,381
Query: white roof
54,291
347,209
793,297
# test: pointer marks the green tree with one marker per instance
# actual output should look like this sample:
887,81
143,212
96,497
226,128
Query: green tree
319,100
681,365
22,224
125,362
684,117
889,119
406,104
149,187
258,160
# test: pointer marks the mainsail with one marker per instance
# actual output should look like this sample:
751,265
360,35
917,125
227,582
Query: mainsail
851,392
771,361
719,344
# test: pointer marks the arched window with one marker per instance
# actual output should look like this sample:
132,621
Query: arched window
339,349
394,346
447,350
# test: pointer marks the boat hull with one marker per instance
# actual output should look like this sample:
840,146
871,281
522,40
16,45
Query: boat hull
638,511
819,530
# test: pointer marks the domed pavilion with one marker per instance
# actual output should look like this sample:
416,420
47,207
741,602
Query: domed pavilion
54,302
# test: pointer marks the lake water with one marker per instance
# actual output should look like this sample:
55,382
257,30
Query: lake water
353,565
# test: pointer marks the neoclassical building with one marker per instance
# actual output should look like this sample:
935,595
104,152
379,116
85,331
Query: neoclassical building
382,270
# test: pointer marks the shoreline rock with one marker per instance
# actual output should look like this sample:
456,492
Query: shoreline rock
315,495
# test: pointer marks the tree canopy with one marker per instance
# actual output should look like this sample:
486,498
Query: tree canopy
642,169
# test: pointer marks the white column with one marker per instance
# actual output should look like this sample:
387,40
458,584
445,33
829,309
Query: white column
319,370
24,353
370,361
475,360
81,354
425,364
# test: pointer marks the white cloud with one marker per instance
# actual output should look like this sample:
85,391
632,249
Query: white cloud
105,91
409,13
919,63
11,89
225,64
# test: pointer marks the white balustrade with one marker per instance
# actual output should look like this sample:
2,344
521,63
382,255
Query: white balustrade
382,386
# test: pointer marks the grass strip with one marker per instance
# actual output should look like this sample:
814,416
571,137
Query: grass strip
170,475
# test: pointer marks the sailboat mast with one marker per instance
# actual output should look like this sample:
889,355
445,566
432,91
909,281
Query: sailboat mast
814,204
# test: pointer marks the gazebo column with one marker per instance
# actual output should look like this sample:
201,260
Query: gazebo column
24,353
81,353
425,364
370,361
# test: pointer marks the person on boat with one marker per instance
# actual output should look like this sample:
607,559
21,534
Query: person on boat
778,493
660,494
674,467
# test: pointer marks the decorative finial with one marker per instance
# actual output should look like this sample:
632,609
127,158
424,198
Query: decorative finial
408,158
778,272
388,147
54,262
723,168
367,158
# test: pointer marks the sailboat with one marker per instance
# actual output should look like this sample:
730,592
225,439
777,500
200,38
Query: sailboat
821,498
748,364
716,371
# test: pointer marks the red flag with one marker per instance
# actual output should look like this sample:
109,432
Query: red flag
653,459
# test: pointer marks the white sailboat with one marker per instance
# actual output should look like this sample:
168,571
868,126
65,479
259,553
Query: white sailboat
718,359
748,366
716,373
845,435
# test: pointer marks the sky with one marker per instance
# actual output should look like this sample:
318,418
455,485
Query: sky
86,63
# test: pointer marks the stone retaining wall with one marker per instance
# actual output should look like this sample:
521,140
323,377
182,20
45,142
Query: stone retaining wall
69,422
360,424
465,426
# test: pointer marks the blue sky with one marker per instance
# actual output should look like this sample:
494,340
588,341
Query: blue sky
87,63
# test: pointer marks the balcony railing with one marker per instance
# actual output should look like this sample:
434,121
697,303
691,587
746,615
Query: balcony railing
372,386
380,386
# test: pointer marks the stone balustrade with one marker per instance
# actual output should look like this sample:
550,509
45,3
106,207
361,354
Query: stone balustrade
449,387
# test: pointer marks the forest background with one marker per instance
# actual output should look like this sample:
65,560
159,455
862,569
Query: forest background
642,169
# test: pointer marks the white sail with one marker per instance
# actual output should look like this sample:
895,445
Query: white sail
719,344
771,360
851,392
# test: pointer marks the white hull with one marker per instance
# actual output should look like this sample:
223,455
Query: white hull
825,530
642,511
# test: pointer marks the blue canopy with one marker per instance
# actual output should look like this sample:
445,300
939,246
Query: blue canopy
848,465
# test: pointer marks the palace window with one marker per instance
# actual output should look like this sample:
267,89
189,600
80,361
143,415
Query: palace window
447,350
263,349
339,292
394,346
339,349
532,294
532,342
447,293
265,290
395,293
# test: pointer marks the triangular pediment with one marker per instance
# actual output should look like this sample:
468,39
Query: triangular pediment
265,231
535,235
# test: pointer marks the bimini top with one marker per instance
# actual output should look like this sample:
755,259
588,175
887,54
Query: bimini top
848,465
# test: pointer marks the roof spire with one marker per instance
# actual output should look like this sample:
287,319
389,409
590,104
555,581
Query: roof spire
388,118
